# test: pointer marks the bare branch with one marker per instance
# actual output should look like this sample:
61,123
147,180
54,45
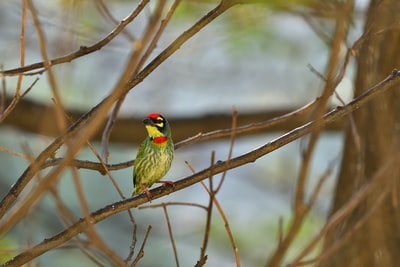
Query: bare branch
59,109
380,178
171,236
139,47
83,50
209,209
227,227
101,214
141,251
5,112
90,122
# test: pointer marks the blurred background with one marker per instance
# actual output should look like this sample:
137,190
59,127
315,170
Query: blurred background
254,57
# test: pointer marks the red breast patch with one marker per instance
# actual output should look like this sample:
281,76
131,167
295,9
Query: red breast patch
159,140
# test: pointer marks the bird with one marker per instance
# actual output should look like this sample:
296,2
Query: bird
155,155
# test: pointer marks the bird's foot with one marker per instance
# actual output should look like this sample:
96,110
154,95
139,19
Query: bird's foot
147,192
164,183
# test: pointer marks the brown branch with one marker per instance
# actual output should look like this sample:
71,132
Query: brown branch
153,206
59,109
83,50
232,142
227,227
41,121
332,81
171,236
301,209
114,208
139,47
5,112
178,42
104,106
94,237
379,178
252,127
141,251
86,125
91,121
209,209
106,13
249,128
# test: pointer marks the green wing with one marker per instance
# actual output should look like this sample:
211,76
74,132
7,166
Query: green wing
139,157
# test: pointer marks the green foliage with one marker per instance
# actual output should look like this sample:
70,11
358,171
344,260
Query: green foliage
247,25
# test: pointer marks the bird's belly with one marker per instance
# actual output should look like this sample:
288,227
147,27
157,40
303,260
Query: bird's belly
157,170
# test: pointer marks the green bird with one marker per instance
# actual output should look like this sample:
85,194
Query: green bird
154,156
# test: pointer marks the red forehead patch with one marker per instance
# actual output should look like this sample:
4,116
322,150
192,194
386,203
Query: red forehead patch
154,116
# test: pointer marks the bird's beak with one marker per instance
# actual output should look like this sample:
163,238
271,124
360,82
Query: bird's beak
148,121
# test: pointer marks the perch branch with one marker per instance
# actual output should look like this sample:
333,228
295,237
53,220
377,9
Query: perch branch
90,121
117,207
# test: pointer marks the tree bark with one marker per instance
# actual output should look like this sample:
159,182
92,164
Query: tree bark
371,235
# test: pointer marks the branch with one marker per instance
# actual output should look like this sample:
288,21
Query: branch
83,50
87,125
117,207
140,57
41,121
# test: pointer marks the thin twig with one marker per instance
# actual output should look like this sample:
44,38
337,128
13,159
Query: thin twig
379,178
332,80
207,229
6,111
141,250
59,110
22,48
171,203
171,236
227,227
95,238
157,34
232,141
11,152
137,58
252,127
83,50
105,12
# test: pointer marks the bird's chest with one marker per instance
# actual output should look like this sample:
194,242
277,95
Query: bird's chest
161,158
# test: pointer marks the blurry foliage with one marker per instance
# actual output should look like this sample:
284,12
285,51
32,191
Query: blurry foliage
6,245
244,26
247,24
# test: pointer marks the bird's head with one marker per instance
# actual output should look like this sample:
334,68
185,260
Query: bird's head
157,126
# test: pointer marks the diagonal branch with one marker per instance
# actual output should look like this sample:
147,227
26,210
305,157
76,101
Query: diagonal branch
117,207
83,50
91,121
